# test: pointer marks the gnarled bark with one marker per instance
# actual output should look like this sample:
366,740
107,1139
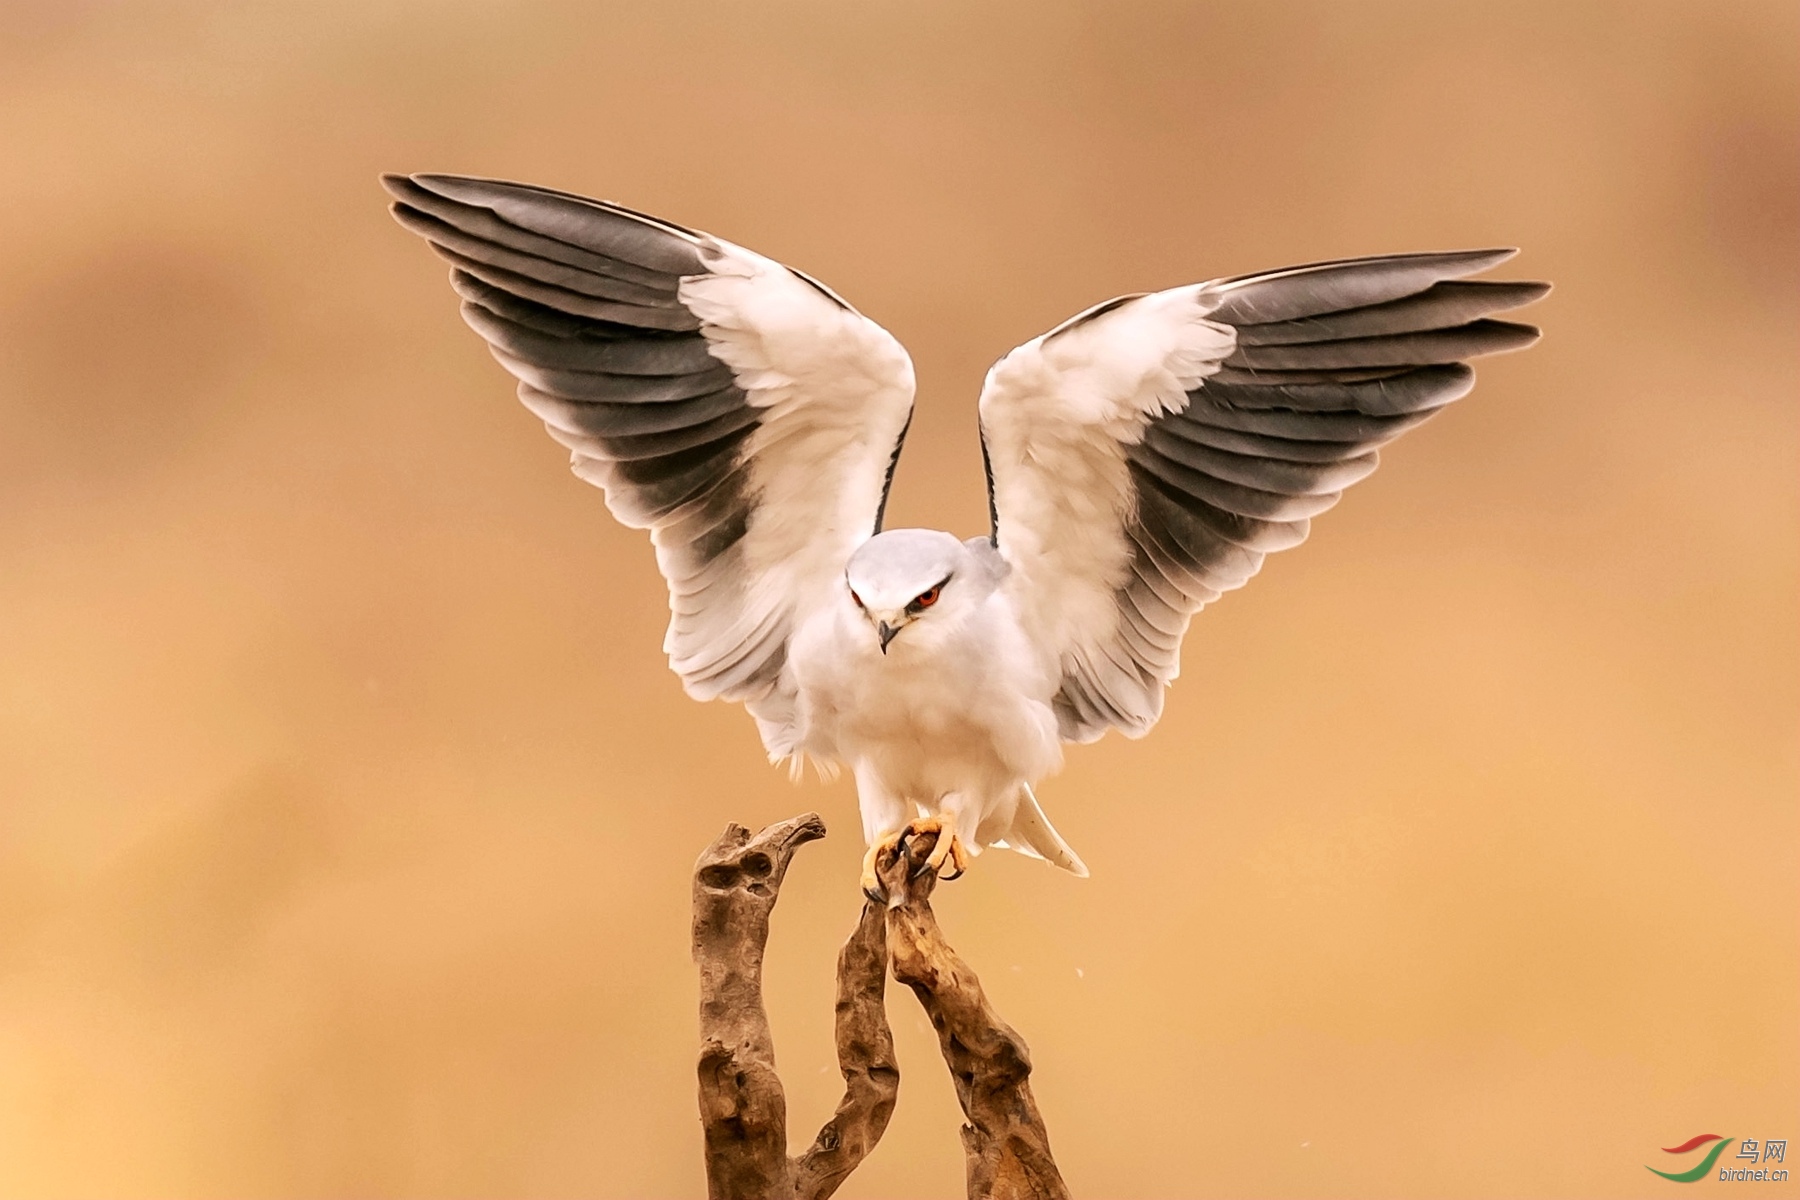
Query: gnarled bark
1006,1147
743,1110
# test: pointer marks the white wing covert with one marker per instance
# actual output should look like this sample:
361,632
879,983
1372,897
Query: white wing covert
1144,456
742,412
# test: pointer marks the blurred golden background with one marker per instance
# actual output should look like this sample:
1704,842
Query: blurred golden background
347,806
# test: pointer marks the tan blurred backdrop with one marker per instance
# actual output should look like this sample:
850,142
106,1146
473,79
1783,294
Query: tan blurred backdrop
347,805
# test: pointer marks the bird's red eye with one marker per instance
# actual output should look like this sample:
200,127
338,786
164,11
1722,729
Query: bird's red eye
856,598
926,599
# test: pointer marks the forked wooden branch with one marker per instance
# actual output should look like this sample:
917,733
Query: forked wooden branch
743,1110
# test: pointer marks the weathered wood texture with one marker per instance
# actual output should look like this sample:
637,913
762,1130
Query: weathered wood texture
743,1110
1005,1144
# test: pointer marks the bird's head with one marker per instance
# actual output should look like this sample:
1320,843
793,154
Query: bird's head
905,576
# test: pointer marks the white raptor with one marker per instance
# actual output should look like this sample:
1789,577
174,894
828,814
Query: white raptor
1142,458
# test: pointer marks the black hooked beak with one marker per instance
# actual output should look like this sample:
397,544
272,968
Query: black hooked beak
886,633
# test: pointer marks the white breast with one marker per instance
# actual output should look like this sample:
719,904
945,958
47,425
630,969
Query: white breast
958,708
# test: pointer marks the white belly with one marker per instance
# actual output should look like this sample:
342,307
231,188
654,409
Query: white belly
940,724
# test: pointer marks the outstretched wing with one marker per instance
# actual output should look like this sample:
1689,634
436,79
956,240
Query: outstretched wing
1144,456
740,411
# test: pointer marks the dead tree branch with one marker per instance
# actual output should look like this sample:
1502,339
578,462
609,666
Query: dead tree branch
1005,1144
865,1053
743,1110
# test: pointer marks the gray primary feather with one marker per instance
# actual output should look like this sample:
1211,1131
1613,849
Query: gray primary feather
582,302
1438,307
434,196
1402,349
617,235
1206,513
1330,287
1328,362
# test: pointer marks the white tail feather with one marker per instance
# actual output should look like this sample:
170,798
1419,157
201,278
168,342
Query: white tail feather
1033,835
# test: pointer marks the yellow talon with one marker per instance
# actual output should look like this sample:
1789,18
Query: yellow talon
947,851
